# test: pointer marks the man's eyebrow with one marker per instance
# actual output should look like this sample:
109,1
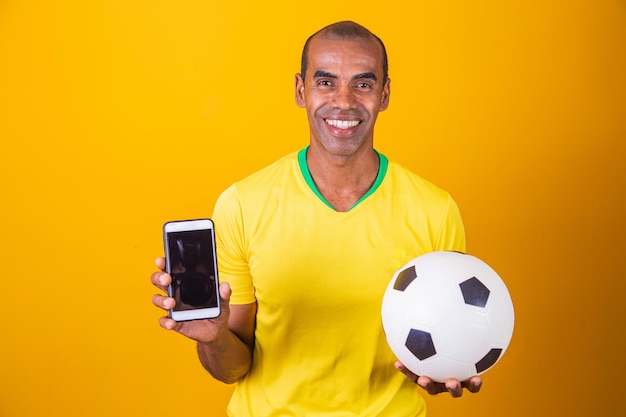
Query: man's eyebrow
323,74
366,75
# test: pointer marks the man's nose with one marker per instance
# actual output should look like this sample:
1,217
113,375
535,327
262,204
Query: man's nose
344,97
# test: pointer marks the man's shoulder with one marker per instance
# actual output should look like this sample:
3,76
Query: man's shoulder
258,186
402,176
261,182
282,167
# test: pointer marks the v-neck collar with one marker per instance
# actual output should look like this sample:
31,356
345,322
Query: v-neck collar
306,174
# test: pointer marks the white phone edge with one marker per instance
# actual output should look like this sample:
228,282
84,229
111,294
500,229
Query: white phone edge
187,225
199,314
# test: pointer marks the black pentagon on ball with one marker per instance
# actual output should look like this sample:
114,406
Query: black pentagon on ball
488,360
420,344
405,278
474,292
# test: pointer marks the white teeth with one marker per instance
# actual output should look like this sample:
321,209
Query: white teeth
342,124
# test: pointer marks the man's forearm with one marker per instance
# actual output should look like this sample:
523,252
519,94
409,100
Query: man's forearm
227,358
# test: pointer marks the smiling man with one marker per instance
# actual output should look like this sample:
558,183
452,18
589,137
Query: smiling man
307,246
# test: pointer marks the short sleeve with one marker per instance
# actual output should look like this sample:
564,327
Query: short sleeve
231,247
452,232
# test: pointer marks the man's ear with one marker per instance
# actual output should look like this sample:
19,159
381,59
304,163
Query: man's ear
300,91
384,101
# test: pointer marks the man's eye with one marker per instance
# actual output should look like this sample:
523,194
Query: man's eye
324,83
363,85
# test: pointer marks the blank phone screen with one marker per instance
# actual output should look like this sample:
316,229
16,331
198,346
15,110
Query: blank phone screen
192,267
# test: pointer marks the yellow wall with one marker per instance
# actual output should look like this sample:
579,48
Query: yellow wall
116,116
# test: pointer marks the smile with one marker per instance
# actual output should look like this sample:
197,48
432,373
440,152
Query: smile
342,124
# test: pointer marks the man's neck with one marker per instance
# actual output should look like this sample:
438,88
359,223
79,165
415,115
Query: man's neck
342,181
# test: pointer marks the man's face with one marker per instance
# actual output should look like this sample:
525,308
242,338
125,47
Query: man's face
343,92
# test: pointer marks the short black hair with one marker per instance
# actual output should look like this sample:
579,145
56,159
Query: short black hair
344,30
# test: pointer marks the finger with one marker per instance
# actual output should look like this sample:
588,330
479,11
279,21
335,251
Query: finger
160,263
410,375
454,387
473,384
161,301
430,386
161,280
225,291
168,324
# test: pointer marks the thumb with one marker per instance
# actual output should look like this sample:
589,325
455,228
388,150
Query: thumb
225,293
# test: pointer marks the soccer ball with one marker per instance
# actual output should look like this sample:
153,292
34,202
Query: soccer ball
447,315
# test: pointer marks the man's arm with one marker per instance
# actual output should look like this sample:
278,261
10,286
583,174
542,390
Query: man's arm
225,343
229,355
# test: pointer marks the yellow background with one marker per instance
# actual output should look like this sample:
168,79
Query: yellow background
116,116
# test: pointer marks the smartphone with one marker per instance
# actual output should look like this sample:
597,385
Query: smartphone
190,259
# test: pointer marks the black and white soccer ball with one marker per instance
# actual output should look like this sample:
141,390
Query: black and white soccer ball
447,315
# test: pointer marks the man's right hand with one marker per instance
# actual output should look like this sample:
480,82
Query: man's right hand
200,330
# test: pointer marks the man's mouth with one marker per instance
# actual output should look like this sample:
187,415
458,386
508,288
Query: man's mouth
342,124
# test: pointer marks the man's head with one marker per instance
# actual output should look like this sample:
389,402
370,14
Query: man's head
343,86
346,30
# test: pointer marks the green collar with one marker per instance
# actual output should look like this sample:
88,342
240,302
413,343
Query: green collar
304,168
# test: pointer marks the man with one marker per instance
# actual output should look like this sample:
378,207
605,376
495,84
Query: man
307,246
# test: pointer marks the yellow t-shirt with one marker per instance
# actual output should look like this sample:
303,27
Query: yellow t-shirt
318,277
